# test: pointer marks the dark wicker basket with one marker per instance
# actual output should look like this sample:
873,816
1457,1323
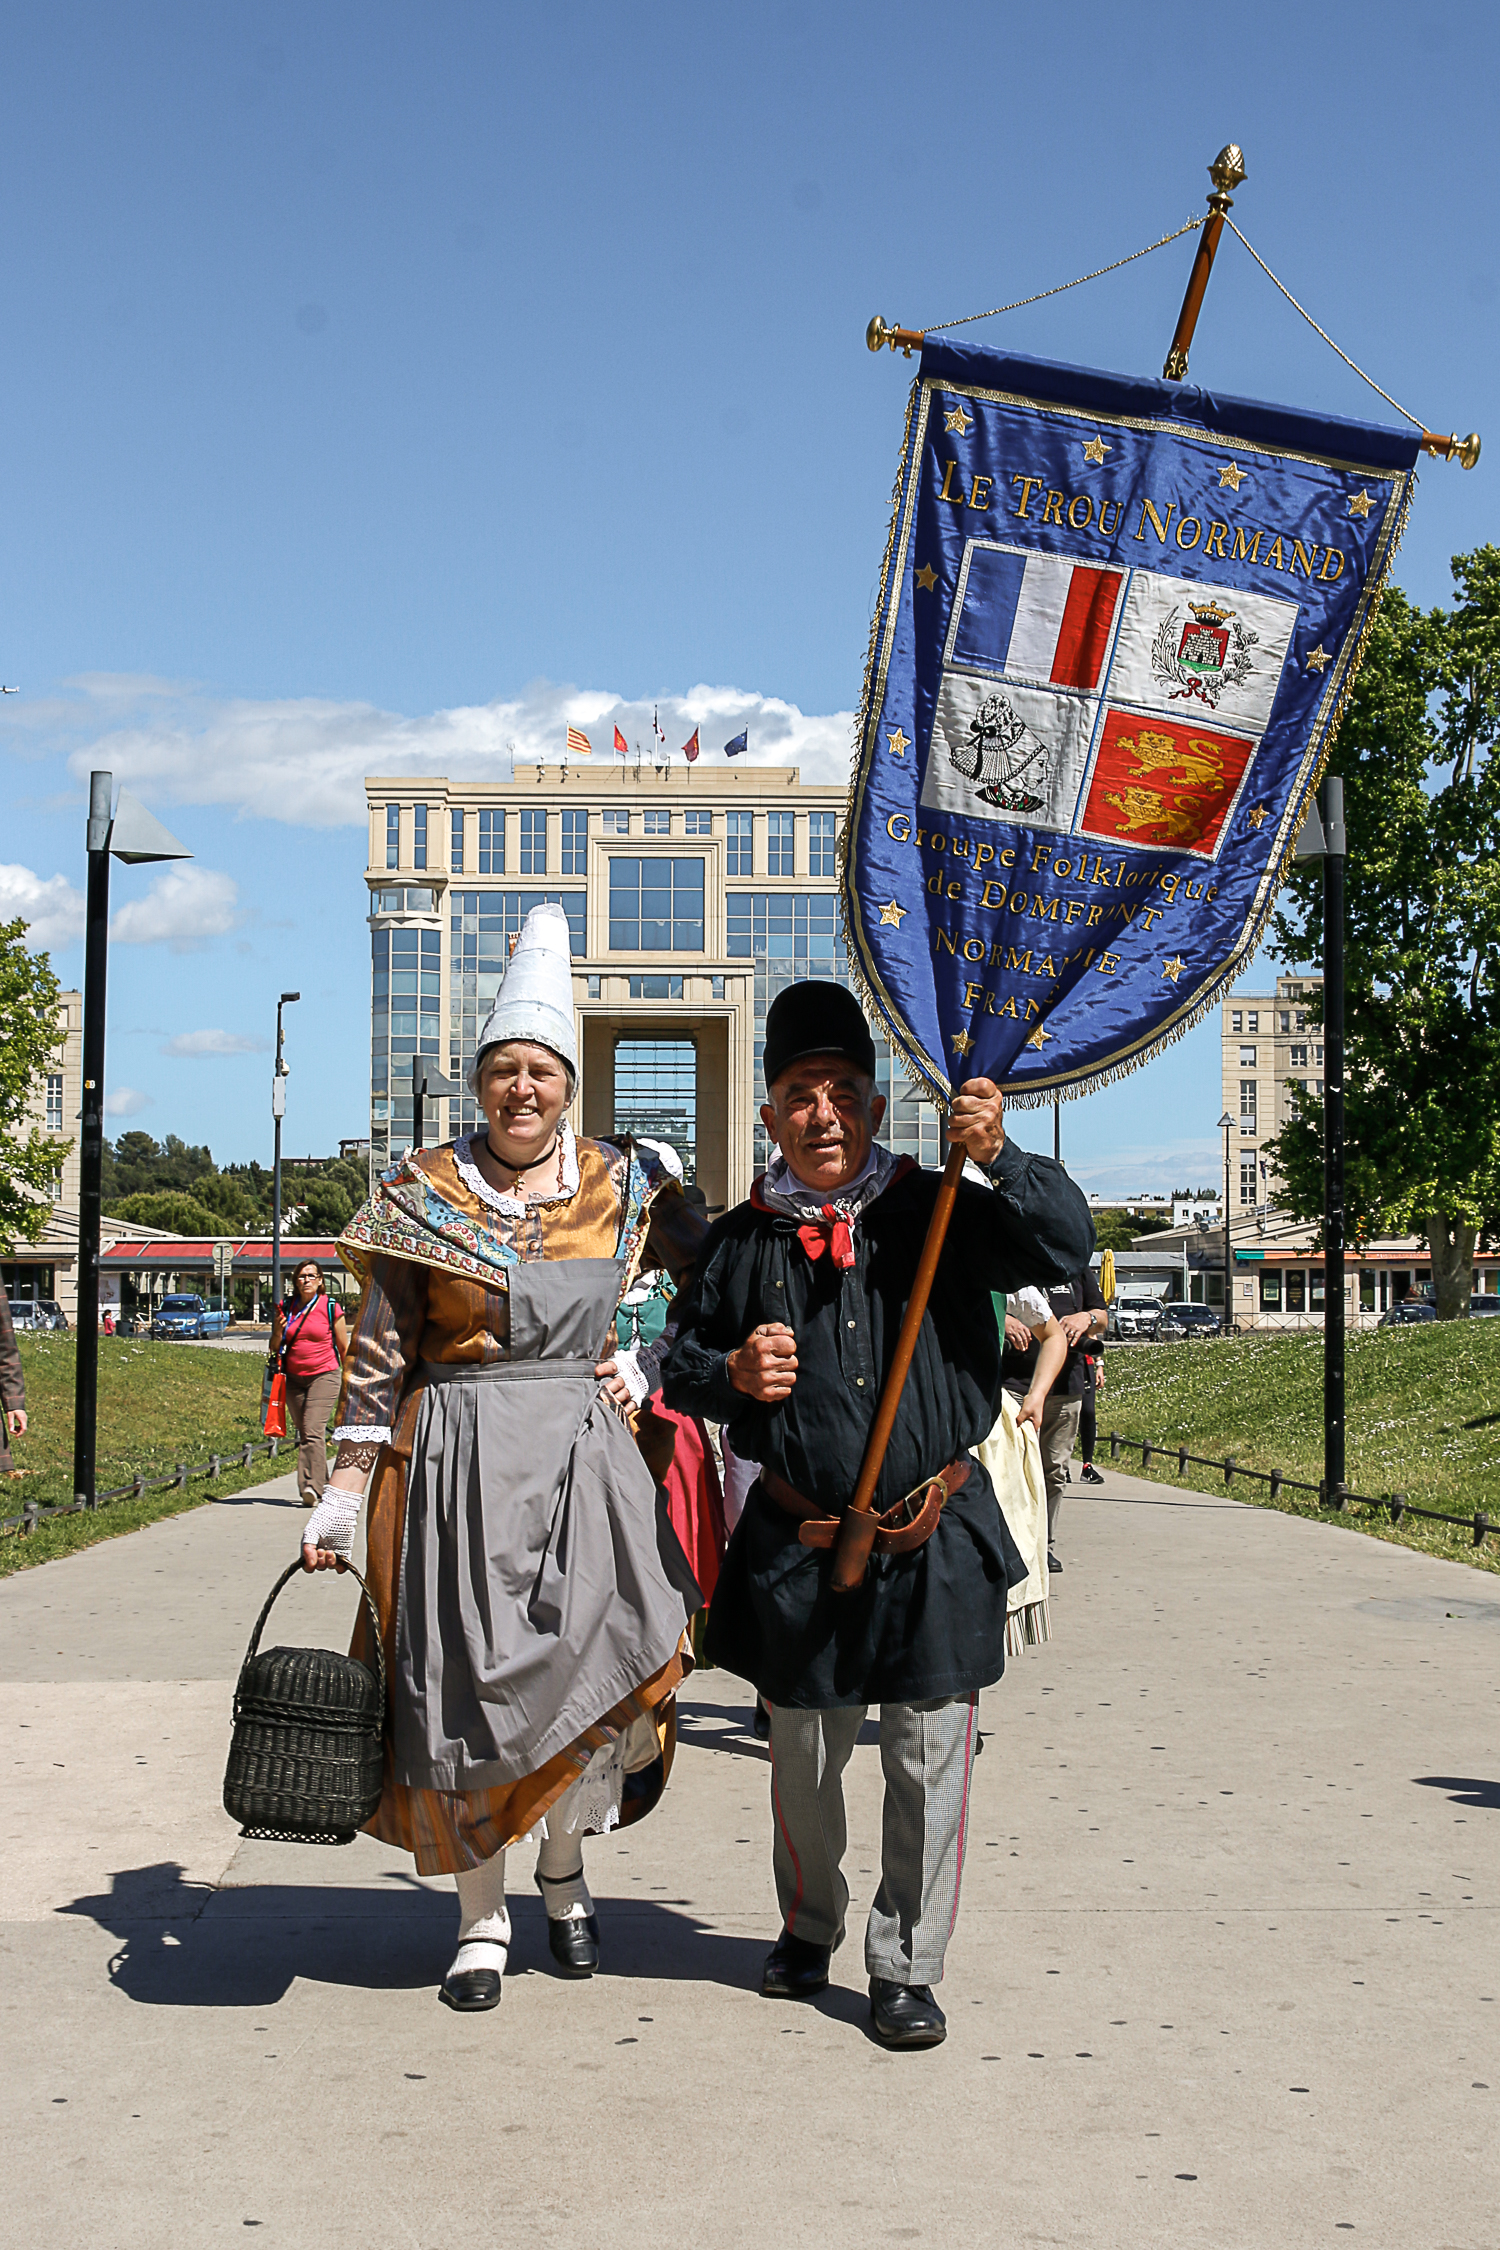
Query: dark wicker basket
307,1758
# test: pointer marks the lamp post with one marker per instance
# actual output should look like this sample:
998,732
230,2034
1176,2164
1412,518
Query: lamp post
1323,838
1226,1127
279,1078
138,838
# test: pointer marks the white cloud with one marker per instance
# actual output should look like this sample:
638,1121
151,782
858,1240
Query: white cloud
185,907
304,761
126,1101
198,1043
48,904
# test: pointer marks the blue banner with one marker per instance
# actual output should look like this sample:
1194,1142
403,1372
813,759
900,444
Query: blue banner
1117,621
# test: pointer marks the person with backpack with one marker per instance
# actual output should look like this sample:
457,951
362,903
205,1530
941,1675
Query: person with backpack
308,1341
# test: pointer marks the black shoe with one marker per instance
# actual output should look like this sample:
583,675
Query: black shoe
761,1722
906,2015
1067,1474
469,1990
573,1939
1088,1474
795,1969
1053,1564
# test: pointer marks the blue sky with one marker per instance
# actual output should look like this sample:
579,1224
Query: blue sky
377,379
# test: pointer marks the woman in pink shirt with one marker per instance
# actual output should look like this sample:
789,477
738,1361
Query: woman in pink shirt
309,1339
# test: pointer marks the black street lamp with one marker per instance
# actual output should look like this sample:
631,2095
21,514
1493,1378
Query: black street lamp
279,1078
1226,1127
138,838
1323,838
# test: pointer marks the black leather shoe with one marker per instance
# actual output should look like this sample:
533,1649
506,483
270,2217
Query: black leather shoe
573,1941
469,1990
1053,1564
795,1969
906,2015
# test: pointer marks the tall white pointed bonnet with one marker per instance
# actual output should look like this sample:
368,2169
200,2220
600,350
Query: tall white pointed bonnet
535,1000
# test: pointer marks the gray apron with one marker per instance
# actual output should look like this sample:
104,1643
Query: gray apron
540,1580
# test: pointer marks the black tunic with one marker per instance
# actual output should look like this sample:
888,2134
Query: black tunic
925,1625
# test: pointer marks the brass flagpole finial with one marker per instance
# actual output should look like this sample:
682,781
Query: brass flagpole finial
1226,171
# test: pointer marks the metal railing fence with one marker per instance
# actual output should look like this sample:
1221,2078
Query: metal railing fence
183,1474
1394,1504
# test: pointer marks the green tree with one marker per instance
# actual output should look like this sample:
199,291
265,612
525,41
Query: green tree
169,1210
29,1043
1422,947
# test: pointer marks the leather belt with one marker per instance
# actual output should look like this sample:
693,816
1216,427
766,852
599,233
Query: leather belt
898,1530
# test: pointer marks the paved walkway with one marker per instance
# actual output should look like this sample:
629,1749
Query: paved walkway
1226,1970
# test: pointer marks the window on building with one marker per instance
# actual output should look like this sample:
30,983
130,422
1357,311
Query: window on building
1252,1020
393,835
716,988
533,842
421,902
656,1094
1315,1290
739,830
1247,1105
781,832
1237,1020
575,843
1270,1289
655,905
1296,1291
1366,1290
697,823
419,835
615,822
1299,1058
1247,1058
1301,1022
1318,1057
54,1101
821,840
456,841
657,823
1247,1181
492,843
596,988
656,988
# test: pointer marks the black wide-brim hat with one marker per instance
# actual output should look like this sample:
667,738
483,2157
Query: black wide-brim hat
816,1019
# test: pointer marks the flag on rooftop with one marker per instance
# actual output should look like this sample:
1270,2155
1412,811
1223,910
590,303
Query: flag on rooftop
579,741
690,747
621,745
739,746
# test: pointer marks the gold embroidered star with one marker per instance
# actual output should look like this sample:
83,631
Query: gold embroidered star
891,915
1174,967
927,578
1095,450
957,419
1232,475
962,1044
1039,1037
900,743
1360,505
1318,658
1257,816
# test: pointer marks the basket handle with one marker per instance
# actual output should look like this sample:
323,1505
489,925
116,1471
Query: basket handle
291,1571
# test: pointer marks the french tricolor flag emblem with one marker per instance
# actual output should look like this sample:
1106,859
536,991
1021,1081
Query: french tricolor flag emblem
1034,617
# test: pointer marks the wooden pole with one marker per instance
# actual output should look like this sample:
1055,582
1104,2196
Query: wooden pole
1226,171
856,1537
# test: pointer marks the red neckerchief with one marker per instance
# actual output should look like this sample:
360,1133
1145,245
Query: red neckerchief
831,1230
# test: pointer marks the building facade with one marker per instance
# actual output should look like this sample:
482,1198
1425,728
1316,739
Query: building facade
693,896
1270,1046
48,1268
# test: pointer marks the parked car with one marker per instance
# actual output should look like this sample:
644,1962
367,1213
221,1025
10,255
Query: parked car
32,1313
1188,1320
1409,1313
1134,1315
187,1316
1483,1307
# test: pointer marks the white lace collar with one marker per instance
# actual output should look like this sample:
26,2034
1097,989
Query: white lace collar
514,1206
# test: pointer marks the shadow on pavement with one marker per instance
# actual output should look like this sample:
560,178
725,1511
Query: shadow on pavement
186,1945
1483,1794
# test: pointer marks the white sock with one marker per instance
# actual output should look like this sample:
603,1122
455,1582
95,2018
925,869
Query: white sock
559,1864
483,1918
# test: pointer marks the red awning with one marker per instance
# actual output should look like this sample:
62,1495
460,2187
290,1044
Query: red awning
252,1254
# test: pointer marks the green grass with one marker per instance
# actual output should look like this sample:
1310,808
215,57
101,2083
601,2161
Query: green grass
158,1404
1422,1412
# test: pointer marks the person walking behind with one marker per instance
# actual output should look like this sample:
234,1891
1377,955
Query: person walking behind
1088,1420
12,1390
1081,1313
309,1339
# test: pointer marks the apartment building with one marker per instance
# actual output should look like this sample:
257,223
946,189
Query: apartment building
1270,1045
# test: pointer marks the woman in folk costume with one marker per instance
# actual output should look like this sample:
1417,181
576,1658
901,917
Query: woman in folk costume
533,1601
1014,1463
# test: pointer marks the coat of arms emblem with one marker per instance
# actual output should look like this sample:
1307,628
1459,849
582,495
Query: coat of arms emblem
1201,648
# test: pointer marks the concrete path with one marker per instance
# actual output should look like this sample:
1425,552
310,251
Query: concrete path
1225,1973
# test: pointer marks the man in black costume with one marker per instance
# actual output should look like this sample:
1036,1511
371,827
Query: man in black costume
785,1337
